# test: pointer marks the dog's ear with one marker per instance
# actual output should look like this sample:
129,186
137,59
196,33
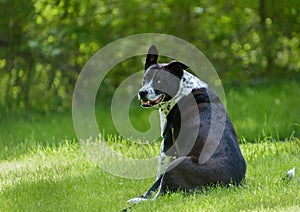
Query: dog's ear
176,68
151,57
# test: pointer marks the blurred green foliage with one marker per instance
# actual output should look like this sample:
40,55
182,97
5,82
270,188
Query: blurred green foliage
45,43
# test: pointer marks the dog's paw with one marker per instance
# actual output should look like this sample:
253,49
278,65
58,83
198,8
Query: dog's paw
136,200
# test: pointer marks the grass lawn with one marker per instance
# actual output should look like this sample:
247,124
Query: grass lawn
43,167
62,178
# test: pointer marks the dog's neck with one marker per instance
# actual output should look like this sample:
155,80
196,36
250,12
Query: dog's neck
188,83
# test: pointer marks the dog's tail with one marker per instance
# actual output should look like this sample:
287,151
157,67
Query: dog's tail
290,174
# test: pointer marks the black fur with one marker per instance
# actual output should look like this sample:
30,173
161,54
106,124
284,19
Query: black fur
226,165
189,122
151,57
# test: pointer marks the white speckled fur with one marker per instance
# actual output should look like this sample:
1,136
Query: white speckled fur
187,84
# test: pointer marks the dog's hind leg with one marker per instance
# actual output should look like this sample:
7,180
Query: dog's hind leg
186,174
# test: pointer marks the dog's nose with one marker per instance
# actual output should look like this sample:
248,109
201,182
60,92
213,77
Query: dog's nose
143,94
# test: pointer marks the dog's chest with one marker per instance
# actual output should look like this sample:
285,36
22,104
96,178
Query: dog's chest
163,121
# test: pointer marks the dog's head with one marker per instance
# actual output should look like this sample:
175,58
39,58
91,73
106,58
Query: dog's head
161,82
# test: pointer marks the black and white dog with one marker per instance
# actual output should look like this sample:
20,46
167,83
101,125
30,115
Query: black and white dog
200,147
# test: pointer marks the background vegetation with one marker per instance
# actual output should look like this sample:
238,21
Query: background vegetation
44,44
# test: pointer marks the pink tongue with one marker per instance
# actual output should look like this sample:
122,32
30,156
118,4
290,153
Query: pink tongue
150,103
158,100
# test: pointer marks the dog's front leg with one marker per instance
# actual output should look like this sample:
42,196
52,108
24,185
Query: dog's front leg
153,188
146,196
162,160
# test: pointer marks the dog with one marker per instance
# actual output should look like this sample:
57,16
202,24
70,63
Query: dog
200,146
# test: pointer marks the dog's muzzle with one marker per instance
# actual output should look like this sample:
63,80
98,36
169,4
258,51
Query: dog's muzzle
146,101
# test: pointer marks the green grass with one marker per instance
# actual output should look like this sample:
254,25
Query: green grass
44,168
23,131
265,110
62,178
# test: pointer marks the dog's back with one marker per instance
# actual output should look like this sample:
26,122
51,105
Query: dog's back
193,129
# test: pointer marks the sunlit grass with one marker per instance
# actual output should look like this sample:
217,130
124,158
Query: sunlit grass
62,178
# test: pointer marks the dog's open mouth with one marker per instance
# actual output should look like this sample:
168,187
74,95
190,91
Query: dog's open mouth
149,103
